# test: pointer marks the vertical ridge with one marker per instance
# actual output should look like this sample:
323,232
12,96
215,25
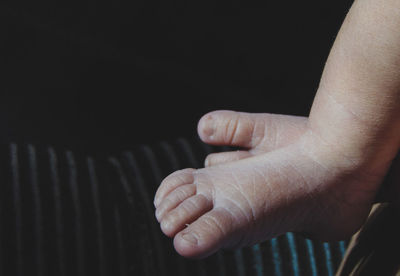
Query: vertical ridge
58,210
98,216
38,209
17,207
133,211
149,210
151,159
293,253
120,244
276,256
342,248
73,183
239,262
125,186
311,257
129,197
258,263
328,258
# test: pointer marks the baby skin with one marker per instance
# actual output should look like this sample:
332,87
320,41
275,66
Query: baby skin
317,175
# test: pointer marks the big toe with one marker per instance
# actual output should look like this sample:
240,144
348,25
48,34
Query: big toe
204,236
225,127
270,131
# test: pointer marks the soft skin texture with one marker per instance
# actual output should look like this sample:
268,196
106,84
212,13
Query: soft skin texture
317,175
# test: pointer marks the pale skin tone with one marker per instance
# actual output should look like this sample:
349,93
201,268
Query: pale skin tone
317,175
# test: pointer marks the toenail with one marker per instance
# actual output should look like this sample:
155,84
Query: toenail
189,238
209,131
208,127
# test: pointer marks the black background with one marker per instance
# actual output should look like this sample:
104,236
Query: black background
103,76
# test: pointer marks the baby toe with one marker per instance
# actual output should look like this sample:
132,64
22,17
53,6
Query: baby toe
171,182
184,214
174,198
206,235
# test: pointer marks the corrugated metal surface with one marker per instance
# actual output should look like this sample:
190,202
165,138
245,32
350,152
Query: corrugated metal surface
63,213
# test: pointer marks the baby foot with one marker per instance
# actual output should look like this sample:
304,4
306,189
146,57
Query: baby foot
285,183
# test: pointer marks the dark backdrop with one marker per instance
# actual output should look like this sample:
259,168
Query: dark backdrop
105,75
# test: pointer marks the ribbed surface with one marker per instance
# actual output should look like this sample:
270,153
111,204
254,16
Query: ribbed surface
67,214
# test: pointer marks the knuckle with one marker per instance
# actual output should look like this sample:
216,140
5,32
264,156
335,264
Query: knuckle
232,129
